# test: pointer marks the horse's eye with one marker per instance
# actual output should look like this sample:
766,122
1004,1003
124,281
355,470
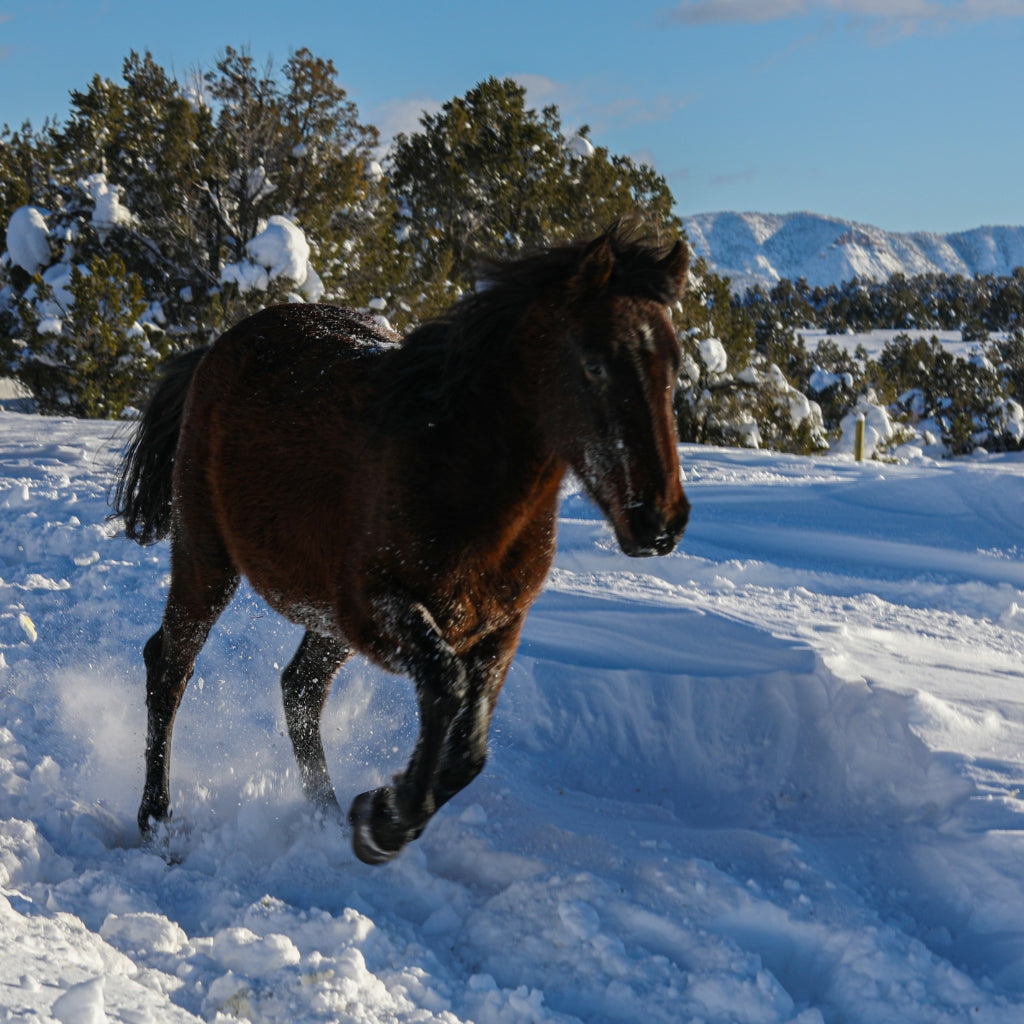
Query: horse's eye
596,371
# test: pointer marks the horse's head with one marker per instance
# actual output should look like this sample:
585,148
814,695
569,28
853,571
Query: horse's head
620,359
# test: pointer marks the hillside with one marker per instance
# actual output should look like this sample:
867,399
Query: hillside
772,778
752,248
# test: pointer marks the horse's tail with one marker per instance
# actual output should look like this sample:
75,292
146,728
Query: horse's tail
143,492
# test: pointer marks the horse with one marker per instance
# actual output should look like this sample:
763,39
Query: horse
399,497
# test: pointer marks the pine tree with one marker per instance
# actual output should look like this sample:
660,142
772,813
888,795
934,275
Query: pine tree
94,359
489,175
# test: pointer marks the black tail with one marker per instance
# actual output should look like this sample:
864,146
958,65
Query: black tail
143,492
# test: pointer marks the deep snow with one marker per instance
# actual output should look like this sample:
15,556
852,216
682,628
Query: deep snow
771,777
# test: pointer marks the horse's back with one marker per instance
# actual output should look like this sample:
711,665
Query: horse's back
288,357
296,348
274,451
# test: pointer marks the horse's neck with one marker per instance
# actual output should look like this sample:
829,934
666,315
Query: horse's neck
496,427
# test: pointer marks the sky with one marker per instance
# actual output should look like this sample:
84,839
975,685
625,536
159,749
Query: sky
904,114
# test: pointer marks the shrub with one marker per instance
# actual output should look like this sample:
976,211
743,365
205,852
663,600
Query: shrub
83,351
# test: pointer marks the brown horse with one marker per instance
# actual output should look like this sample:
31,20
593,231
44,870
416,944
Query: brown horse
399,499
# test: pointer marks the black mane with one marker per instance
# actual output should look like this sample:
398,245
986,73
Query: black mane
439,358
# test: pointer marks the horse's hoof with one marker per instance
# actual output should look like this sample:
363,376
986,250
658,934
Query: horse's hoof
377,834
168,838
327,810
150,820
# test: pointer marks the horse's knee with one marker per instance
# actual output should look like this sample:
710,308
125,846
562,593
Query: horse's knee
307,678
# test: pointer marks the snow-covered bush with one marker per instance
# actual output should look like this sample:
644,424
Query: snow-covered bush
881,432
756,407
28,239
729,392
280,252
963,403
216,200
83,349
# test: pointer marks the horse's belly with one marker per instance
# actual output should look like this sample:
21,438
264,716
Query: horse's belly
319,618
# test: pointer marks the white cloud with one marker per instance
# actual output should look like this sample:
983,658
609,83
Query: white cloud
910,14
707,12
589,102
401,116
594,103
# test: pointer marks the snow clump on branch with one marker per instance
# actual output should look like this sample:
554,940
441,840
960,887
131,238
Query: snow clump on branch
280,250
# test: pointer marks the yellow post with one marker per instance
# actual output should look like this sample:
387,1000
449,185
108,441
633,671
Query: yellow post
858,439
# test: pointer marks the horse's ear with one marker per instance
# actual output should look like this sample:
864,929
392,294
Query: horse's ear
676,266
597,265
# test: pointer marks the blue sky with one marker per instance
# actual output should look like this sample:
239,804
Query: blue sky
906,114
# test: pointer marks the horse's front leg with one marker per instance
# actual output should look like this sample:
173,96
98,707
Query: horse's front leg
385,820
465,749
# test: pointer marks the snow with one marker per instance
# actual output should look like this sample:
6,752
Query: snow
874,341
27,239
822,380
772,777
81,1004
280,250
713,356
759,248
580,147
107,210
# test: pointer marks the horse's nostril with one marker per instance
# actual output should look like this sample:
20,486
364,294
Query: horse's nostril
651,532
666,542
672,530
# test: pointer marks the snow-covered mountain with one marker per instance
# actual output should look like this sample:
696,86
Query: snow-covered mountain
753,248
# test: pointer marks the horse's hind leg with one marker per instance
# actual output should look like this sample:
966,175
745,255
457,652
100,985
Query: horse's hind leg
198,594
305,684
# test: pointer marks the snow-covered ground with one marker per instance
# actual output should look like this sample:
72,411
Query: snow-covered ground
773,777
873,342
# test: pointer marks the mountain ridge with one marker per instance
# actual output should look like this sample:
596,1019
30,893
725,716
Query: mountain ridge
760,248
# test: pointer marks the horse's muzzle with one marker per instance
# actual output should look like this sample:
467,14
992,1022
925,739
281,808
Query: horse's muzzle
652,532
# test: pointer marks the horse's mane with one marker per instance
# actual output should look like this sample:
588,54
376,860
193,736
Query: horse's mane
440,357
